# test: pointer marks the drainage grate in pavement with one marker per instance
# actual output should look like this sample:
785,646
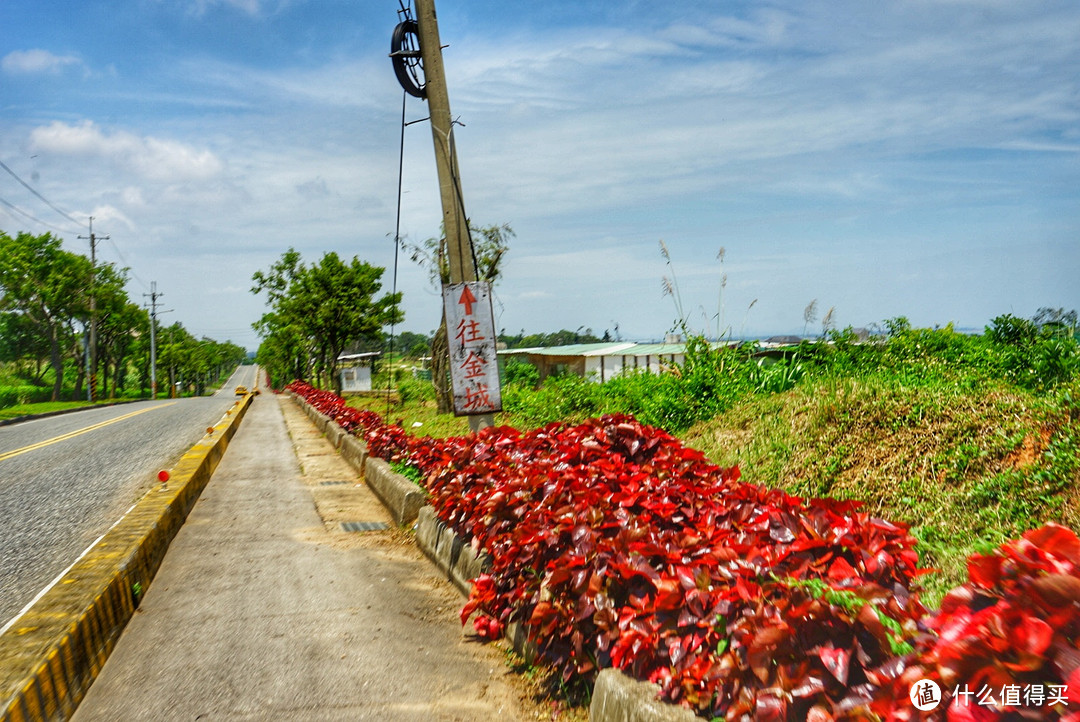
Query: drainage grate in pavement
334,483
364,525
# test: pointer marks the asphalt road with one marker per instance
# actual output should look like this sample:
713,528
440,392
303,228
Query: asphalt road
65,480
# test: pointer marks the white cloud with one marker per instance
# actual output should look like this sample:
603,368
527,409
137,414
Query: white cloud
254,8
251,7
133,196
107,214
37,62
149,157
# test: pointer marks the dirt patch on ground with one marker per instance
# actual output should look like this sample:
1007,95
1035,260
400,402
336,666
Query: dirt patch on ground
1031,449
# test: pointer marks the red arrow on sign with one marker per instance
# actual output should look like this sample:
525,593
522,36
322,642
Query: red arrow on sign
468,299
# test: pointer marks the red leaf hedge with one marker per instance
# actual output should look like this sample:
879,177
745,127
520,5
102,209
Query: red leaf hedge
616,546
1013,631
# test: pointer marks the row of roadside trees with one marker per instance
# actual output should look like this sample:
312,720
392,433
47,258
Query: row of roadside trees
45,301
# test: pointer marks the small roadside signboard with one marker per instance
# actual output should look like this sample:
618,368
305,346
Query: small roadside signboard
470,330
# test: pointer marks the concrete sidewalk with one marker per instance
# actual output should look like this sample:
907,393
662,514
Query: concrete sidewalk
264,609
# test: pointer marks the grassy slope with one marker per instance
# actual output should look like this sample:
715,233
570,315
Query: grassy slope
966,466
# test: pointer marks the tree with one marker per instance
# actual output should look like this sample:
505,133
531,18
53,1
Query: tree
22,343
48,285
317,310
412,344
557,338
490,244
1056,320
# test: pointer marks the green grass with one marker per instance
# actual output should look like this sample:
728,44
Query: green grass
967,465
414,408
46,407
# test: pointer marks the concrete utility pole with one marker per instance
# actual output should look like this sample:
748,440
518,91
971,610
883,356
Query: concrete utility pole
154,296
456,225
455,222
91,372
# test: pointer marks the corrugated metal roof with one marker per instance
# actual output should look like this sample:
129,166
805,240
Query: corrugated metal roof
582,349
653,349
518,351
625,348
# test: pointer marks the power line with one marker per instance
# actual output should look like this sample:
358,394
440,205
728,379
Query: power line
127,264
45,200
65,215
35,219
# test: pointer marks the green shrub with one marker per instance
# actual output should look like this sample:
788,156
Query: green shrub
560,398
1032,356
522,373
410,389
19,395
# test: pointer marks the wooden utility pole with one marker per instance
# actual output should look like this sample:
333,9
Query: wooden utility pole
455,222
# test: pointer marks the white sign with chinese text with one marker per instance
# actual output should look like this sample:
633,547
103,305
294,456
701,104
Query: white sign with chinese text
470,330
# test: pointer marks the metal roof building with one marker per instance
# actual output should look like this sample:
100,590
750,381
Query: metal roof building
601,361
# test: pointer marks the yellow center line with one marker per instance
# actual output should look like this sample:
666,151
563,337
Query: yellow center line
78,432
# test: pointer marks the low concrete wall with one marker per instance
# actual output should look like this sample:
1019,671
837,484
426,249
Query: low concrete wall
618,698
335,434
52,654
402,497
461,564
450,554
354,451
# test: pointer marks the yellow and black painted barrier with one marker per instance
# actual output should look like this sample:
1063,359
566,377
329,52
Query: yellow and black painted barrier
55,650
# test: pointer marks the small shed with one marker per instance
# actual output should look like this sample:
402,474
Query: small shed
354,370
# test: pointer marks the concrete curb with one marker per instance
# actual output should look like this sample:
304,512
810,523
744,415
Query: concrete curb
616,696
55,651
448,552
460,562
619,698
399,495
354,451
402,497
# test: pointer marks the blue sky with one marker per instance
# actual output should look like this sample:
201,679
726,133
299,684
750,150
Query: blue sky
916,157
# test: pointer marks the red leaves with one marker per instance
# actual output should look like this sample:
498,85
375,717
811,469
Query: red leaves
614,545
1056,541
984,571
1015,624
837,661
617,546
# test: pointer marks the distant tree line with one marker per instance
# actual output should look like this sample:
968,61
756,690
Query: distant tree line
45,301
410,344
